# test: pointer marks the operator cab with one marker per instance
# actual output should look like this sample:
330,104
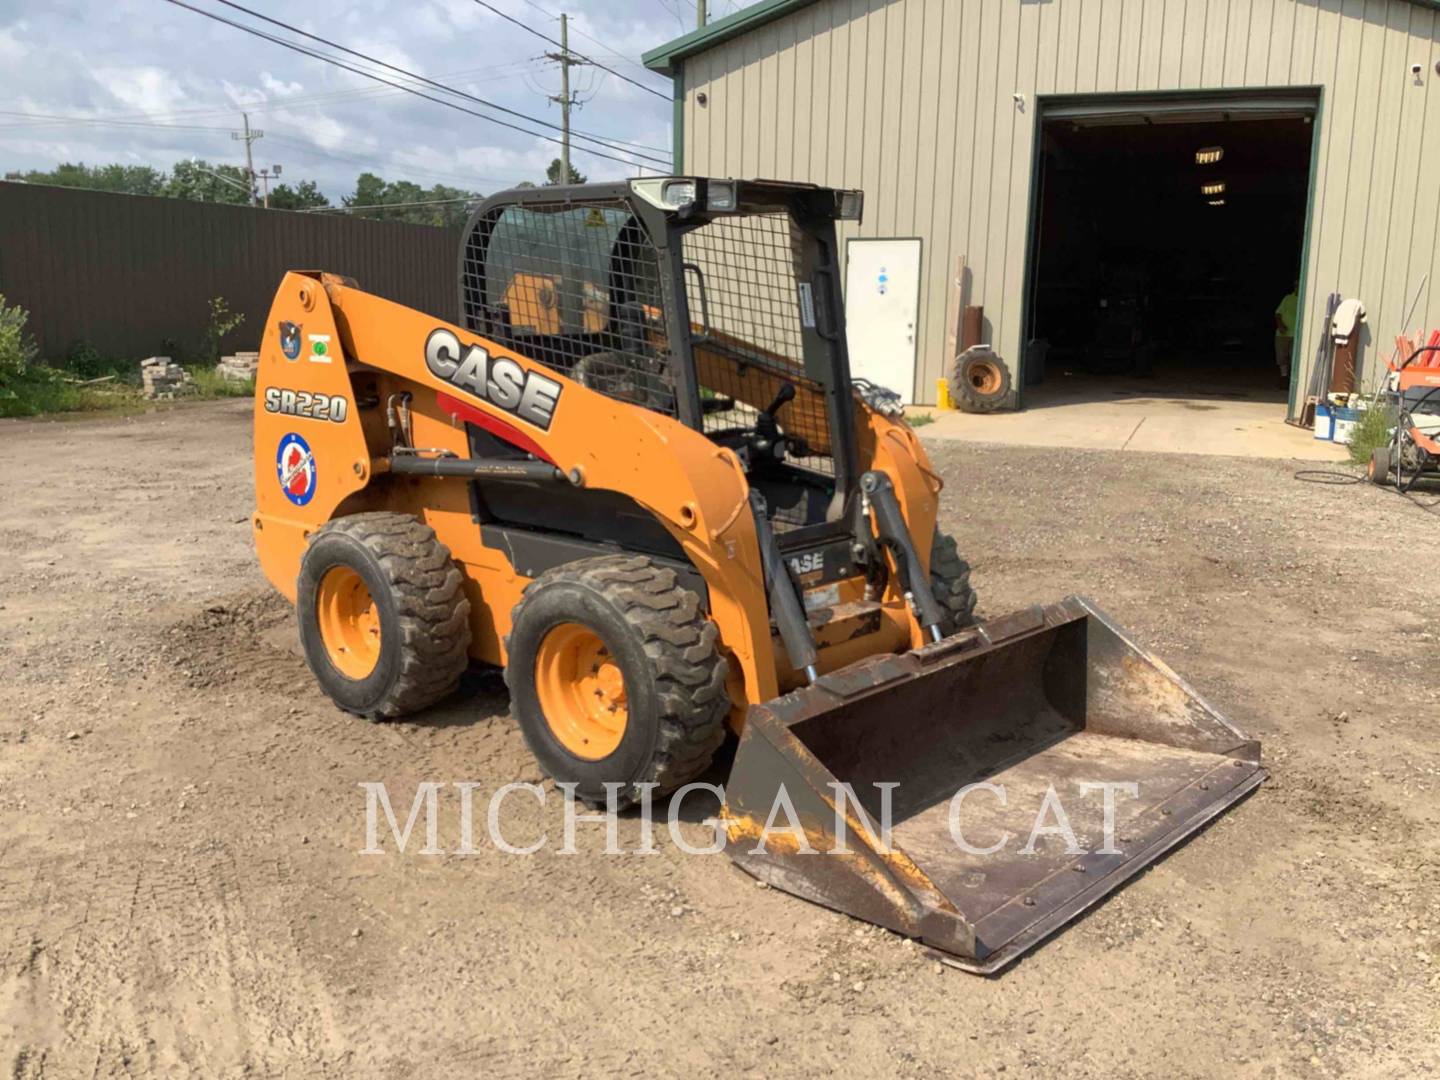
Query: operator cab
711,301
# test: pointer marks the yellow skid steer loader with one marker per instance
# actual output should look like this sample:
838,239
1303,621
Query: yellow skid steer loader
638,475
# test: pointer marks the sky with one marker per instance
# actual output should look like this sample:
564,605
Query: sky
147,82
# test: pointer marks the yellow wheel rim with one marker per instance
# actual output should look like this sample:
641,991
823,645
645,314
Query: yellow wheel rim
349,622
582,691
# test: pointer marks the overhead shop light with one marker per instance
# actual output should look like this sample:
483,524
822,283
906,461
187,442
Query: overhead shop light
1216,188
1209,155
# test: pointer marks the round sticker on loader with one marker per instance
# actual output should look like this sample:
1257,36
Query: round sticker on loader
295,468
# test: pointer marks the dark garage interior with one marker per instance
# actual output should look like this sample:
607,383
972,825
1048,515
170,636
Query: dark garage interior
1157,270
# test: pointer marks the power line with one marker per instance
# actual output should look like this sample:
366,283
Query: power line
588,37
583,59
400,71
48,119
302,146
262,105
674,10
387,206
304,51
315,151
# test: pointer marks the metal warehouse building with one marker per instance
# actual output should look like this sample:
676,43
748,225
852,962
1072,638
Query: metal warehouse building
1133,185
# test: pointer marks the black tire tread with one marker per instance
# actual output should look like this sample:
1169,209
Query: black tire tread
966,396
950,578
430,597
683,647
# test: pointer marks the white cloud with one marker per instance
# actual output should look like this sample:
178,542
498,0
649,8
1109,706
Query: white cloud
278,87
441,18
12,49
321,123
145,89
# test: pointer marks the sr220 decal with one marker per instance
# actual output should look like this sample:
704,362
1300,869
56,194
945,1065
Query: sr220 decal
332,407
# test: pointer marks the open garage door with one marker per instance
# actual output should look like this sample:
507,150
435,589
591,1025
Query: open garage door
1166,232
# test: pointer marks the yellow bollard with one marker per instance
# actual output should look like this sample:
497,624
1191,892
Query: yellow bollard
943,400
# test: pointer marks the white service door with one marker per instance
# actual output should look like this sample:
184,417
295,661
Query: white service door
882,308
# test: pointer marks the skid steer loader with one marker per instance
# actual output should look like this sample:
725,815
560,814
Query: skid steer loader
638,475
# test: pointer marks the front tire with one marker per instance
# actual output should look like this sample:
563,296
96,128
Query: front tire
950,578
383,616
615,676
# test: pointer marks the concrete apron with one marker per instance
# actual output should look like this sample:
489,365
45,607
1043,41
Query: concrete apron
1156,424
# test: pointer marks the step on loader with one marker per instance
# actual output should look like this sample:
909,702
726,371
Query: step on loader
638,474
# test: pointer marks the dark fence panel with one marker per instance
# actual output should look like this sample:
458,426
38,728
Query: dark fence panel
134,275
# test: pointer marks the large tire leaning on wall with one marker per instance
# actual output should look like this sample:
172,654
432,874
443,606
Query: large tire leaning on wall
980,381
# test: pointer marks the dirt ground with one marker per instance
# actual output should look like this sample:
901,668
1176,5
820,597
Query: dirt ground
181,891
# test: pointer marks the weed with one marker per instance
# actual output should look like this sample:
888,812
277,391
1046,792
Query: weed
208,384
85,361
1372,429
222,321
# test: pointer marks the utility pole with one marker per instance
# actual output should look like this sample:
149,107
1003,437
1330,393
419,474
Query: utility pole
249,137
700,19
566,61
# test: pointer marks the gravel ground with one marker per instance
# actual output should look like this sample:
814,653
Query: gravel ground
181,891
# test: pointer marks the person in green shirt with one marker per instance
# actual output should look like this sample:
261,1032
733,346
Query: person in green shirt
1285,332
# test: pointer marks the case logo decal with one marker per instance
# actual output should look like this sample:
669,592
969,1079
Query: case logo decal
499,380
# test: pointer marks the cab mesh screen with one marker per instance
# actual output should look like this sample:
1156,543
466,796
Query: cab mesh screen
578,289
743,288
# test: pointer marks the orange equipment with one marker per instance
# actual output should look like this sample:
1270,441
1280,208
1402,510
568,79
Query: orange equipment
1414,446
638,475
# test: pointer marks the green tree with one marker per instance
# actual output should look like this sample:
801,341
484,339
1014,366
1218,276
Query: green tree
204,182
402,200
126,179
17,348
554,172
222,322
303,196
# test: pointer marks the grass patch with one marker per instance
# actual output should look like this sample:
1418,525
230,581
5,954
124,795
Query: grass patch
920,419
40,389
210,385
1371,430
87,378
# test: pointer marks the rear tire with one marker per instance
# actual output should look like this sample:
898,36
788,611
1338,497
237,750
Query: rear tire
950,579
383,616
597,622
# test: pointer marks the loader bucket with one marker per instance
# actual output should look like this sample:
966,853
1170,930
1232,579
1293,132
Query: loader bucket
1046,699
